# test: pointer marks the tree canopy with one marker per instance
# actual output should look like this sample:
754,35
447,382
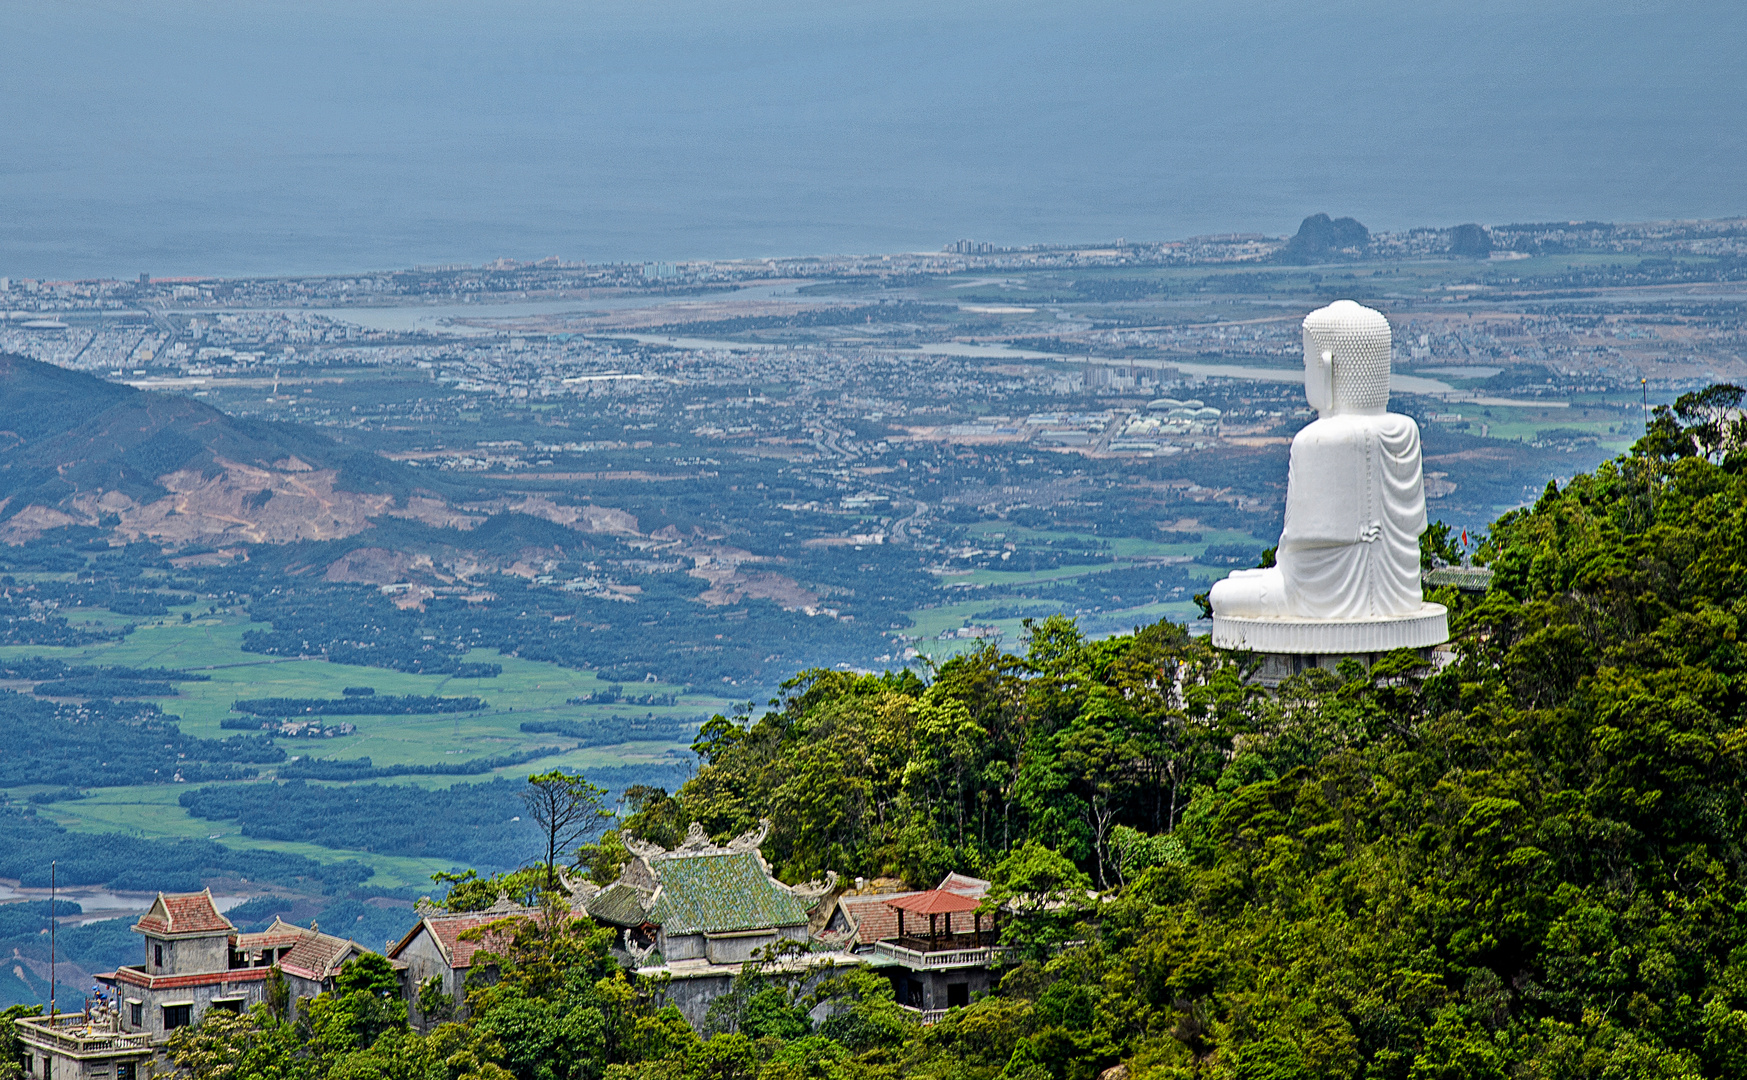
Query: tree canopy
568,810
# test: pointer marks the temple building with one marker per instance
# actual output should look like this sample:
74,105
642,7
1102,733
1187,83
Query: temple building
442,946
701,902
936,946
692,916
195,960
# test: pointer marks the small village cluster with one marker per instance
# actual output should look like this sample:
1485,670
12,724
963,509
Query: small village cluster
693,915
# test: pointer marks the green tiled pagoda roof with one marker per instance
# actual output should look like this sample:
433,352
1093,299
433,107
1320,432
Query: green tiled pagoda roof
620,905
716,894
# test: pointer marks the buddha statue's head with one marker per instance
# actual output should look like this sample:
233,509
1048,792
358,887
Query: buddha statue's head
1346,359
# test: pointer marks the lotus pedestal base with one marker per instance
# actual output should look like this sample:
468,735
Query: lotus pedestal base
1291,645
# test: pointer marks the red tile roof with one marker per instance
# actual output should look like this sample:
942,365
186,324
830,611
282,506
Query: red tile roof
183,913
935,902
281,935
313,955
133,976
446,931
318,956
873,917
964,884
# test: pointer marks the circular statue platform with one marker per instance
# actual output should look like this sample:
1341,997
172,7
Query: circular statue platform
1428,626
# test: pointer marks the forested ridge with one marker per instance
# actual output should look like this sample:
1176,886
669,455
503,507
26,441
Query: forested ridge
1525,864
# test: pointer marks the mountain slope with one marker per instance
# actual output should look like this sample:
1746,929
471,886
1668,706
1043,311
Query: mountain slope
76,450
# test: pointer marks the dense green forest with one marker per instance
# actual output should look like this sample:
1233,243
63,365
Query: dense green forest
51,670
371,704
613,730
108,743
472,823
476,823
1527,863
28,843
362,769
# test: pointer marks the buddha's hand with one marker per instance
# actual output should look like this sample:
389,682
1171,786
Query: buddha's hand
1371,532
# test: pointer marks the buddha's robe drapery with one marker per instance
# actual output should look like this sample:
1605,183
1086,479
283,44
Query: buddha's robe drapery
1355,508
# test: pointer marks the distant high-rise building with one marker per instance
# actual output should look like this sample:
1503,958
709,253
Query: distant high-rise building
145,279
660,270
1098,376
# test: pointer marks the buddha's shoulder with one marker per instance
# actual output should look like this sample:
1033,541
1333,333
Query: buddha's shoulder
1346,429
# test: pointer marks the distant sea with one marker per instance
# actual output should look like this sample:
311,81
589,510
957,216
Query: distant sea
230,137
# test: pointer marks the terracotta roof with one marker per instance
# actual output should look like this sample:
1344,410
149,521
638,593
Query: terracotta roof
313,954
446,931
872,917
281,935
133,976
935,902
183,913
319,956
964,885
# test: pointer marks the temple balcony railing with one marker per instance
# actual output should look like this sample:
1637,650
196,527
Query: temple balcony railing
72,1035
942,951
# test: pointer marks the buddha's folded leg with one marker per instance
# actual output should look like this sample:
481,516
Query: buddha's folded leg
1250,594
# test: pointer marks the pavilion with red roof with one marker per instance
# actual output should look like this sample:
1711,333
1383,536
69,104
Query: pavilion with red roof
938,904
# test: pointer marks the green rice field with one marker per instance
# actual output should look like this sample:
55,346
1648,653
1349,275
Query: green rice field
212,645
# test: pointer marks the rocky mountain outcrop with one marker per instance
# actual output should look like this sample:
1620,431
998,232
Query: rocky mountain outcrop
76,450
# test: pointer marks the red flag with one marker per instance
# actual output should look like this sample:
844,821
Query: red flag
1464,537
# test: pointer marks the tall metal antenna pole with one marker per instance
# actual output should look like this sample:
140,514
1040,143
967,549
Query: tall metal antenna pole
1644,388
52,921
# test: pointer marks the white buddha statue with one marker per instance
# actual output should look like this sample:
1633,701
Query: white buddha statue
1346,573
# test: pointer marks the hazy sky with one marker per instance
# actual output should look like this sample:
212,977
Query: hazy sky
236,137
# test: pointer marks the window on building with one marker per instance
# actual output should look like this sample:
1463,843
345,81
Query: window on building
124,1070
136,1013
958,995
176,1016
157,956
232,1006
